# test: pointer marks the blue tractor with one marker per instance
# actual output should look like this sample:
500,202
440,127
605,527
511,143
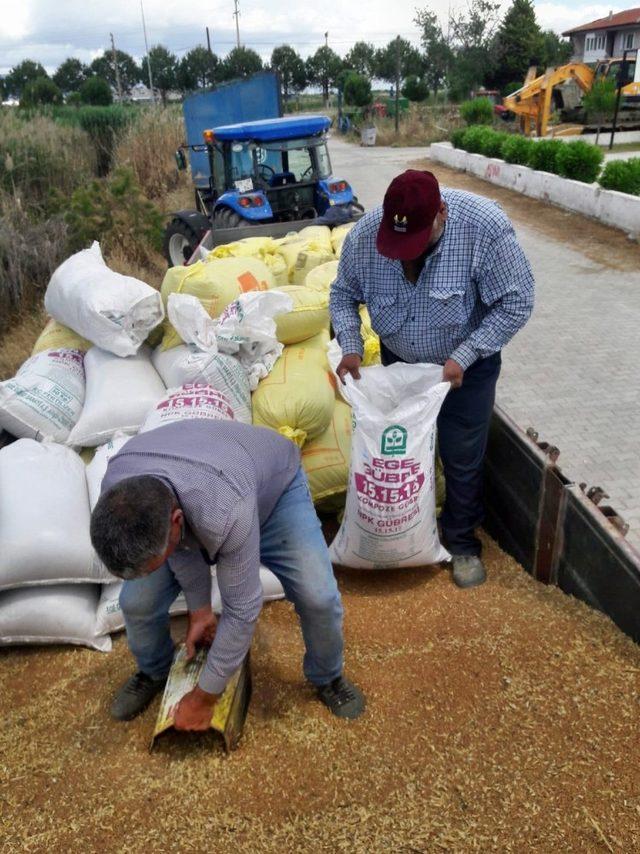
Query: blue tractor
258,177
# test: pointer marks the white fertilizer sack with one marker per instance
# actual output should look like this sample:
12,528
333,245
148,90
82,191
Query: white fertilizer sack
187,364
109,616
112,311
44,399
191,400
64,613
98,466
390,514
120,392
44,516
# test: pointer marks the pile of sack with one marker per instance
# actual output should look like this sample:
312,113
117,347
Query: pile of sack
241,334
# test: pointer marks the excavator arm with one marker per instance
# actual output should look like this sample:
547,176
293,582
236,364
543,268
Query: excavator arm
532,102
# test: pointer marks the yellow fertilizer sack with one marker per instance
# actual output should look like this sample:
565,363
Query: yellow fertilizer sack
263,248
215,284
297,399
309,316
370,340
326,459
320,234
321,278
55,336
338,235
302,256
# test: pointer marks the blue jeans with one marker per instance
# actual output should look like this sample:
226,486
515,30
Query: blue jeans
293,547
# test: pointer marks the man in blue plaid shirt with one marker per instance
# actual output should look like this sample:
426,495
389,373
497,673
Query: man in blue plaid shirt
445,281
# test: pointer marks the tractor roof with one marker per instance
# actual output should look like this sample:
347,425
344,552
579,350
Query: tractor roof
270,130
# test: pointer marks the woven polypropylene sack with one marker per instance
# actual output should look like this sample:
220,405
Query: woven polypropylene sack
185,364
59,614
44,516
302,256
45,398
264,248
191,400
390,516
320,234
298,397
55,336
215,283
119,394
338,236
326,459
112,311
309,316
321,278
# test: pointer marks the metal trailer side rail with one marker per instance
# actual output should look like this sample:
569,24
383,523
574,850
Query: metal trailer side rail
555,530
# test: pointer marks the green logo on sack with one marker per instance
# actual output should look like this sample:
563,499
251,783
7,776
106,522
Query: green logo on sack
394,441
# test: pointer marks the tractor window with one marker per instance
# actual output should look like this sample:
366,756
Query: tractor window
241,161
324,164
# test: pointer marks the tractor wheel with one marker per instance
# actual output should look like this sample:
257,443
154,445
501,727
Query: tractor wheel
226,218
180,242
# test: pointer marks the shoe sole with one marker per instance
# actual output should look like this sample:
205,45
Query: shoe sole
468,584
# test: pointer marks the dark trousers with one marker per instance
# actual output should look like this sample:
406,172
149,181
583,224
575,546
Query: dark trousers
463,428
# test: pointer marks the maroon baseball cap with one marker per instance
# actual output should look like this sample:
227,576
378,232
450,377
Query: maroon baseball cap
410,206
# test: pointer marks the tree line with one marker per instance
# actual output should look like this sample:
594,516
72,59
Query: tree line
479,48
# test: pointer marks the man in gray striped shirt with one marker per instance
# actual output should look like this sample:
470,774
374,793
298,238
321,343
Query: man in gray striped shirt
189,494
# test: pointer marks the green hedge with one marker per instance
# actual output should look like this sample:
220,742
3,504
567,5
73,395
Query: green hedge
622,175
580,161
479,111
517,149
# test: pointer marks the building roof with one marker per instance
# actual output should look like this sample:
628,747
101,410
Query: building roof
620,19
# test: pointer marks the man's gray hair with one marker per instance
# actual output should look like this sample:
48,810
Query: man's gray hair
130,524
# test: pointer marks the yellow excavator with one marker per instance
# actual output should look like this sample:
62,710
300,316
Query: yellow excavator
532,103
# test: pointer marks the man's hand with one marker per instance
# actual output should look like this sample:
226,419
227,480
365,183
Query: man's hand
194,711
349,364
202,629
452,373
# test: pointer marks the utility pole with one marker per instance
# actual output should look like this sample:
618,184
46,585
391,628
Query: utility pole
146,45
397,80
209,43
236,15
326,39
117,68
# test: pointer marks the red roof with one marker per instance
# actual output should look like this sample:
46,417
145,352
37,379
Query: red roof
620,19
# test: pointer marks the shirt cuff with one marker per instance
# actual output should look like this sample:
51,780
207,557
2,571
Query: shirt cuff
197,599
351,342
211,683
465,355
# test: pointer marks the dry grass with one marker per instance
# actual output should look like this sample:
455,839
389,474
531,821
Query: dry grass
502,719
16,346
420,126
148,147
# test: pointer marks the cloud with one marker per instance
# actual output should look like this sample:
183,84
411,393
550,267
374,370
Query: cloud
561,17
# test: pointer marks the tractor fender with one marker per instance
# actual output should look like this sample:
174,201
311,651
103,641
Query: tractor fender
197,222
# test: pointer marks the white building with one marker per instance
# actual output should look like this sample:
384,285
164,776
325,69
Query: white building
607,37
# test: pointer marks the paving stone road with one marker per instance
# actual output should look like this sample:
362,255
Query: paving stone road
572,373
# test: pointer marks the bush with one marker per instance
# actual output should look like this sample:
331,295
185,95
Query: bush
96,92
544,155
479,111
115,212
517,149
42,90
357,90
622,175
457,137
40,156
105,125
473,138
580,161
147,146
491,143
415,89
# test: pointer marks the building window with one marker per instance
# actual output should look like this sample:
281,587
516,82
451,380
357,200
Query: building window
628,41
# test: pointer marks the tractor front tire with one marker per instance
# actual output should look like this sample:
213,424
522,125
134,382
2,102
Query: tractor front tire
180,242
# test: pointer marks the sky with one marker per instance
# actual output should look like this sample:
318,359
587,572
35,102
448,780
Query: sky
49,31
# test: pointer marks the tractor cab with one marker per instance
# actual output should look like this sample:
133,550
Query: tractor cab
271,172
275,170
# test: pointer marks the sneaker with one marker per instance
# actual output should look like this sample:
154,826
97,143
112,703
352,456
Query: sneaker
342,698
135,695
468,570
